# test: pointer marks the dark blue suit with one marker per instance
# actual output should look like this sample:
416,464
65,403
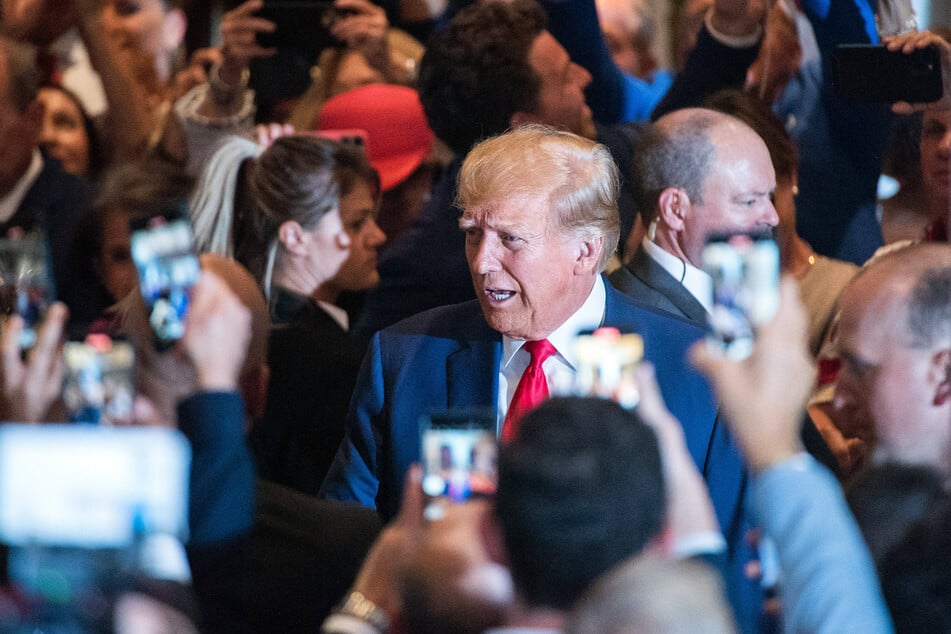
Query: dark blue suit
449,357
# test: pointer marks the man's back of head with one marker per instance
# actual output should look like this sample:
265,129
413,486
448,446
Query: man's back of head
894,341
580,489
475,74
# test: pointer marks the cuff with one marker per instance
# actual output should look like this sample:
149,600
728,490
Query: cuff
733,41
706,543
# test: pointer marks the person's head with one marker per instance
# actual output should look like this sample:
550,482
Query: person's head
150,31
657,595
541,221
935,152
701,172
894,342
628,27
69,134
782,150
21,115
580,490
494,67
129,192
309,221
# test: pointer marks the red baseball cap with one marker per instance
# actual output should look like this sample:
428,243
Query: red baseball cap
397,135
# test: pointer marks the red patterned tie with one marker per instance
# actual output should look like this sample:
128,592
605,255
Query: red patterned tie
532,387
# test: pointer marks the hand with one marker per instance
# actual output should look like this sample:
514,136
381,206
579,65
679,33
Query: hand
267,133
779,56
217,333
763,395
379,577
689,507
239,30
910,42
196,73
361,23
29,390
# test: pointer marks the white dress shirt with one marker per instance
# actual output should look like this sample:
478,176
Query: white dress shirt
560,367
697,282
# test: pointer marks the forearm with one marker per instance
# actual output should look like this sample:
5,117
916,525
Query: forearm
829,581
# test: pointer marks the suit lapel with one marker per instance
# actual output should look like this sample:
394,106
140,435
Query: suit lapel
654,275
472,371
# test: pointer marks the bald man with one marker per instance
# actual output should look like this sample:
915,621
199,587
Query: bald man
894,340
698,172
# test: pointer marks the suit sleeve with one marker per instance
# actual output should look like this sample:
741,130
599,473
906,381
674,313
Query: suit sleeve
829,582
354,475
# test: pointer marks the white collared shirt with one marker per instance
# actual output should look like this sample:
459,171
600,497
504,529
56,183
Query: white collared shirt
11,202
560,367
697,283
336,313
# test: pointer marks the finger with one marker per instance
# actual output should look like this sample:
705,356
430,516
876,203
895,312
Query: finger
411,510
10,344
45,350
249,7
652,403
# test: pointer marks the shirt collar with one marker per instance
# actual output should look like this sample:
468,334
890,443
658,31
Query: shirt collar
697,283
588,317
336,313
11,202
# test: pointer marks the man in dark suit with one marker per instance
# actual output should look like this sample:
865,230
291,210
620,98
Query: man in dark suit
700,172
35,192
539,215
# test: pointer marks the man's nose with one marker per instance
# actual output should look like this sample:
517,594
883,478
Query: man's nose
582,76
485,259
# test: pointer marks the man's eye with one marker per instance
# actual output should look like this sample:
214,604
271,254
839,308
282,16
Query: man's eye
507,237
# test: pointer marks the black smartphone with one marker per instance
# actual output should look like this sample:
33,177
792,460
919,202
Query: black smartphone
26,285
863,73
459,453
745,292
302,26
165,259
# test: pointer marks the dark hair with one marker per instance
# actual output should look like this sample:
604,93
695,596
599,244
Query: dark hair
888,499
475,73
580,490
929,310
678,155
757,115
299,178
22,74
96,157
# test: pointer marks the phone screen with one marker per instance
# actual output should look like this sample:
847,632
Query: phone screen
26,286
168,268
99,386
460,452
745,272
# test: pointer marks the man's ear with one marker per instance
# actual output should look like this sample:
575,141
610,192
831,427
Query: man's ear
589,255
673,205
939,375
292,236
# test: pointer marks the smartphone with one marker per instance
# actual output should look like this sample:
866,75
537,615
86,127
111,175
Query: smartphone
606,361
460,453
99,386
302,26
745,290
26,285
864,73
164,257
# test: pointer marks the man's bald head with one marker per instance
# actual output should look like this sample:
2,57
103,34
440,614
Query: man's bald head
894,340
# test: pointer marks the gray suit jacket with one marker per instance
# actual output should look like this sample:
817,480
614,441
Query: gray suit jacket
647,281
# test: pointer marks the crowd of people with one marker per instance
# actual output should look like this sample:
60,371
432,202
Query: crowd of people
417,212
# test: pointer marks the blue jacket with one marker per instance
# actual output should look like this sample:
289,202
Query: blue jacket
449,357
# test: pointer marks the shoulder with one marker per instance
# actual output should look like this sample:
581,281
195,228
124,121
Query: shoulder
455,321
623,310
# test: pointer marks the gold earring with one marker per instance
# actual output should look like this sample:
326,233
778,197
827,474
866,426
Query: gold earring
795,190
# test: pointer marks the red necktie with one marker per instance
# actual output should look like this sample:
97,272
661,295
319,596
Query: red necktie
532,388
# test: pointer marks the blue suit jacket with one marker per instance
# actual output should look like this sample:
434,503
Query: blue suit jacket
449,357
